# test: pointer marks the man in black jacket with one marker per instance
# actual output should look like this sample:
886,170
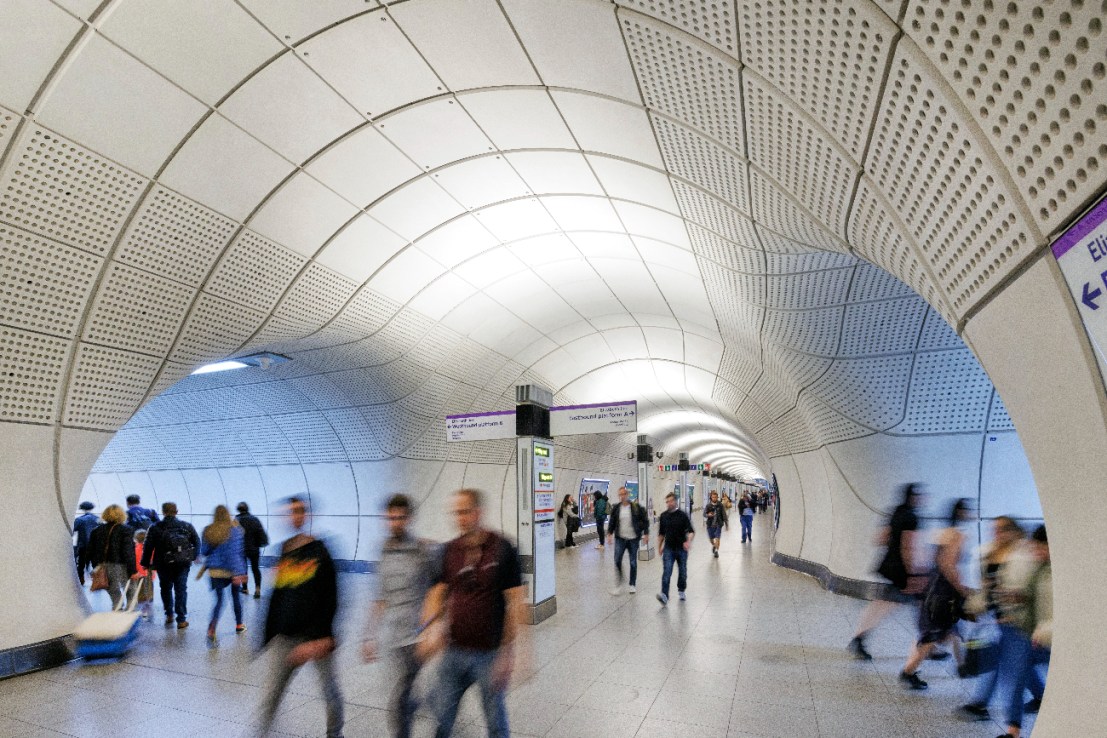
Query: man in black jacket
674,538
714,518
83,527
300,622
171,547
628,526
256,539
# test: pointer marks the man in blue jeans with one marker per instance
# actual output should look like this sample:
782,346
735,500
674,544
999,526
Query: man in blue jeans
474,611
674,538
171,546
627,527
745,515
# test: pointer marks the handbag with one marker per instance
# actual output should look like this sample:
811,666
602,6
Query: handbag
100,573
981,657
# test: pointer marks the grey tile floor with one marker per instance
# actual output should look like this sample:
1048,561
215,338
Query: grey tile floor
755,651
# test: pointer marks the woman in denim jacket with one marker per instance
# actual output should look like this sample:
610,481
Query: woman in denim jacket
223,546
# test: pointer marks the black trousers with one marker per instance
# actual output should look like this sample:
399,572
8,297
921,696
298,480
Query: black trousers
254,557
82,555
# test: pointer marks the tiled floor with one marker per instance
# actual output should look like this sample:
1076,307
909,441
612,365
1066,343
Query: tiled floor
755,651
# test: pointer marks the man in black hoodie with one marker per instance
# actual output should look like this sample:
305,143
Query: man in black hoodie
255,540
300,622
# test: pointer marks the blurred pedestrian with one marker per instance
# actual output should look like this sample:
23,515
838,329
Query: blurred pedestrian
407,567
223,546
256,539
905,578
476,608
139,517
674,538
714,518
146,593
568,520
944,600
171,546
629,527
745,516
111,546
299,626
599,509
83,526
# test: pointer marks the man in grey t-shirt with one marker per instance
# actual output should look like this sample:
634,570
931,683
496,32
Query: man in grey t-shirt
407,568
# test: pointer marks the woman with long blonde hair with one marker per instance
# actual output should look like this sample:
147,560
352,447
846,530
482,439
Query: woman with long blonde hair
223,546
111,548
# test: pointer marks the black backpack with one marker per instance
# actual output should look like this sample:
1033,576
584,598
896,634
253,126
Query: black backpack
138,518
176,545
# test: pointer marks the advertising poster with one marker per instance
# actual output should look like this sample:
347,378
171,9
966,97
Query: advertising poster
632,490
545,573
586,499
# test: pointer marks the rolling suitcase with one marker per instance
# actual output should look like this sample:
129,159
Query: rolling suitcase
111,634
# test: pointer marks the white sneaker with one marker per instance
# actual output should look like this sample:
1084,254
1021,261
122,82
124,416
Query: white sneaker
632,589
617,590
681,595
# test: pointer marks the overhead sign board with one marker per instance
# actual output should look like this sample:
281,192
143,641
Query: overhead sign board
489,426
1081,253
602,417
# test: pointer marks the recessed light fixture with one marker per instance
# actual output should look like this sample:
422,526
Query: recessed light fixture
262,361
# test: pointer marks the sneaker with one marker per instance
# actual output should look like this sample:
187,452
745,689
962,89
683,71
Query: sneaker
240,629
938,655
257,594
973,712
211,634
169,622
182,625
912,681
632,589
663,598
681,596
715,551
1032,706
857,648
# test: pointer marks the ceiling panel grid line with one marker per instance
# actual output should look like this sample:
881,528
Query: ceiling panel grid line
778,211
712,21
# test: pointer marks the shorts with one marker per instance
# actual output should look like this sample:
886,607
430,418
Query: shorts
714,532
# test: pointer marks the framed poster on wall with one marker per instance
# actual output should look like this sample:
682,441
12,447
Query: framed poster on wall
586,499
632,489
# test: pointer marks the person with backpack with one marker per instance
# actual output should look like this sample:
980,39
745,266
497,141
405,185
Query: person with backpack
599,509
171,546
256,539
138,517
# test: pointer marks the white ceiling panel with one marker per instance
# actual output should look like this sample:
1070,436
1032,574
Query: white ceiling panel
575,44
117,107
633,284
609,127
533,351
205,47
653,223
288,107
468,42
627,343
542,250
614,321
591,350
667,255
507,333
518,119
568,271
403,277
441,296
606,246
629,181
664,344
436,133
570,331
294,19
225,169
472,312
670,377
416,208
555,172
478,182
582,213
360,249
700,382
363,166
371,64
559,368
33,34
302,215
589,299
489,267
518,219
456,241
702,352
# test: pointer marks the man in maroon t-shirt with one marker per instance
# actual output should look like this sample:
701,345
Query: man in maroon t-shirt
476,606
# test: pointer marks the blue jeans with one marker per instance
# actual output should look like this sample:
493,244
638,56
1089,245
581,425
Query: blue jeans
173,580
630,546
668,556
217,586
747,527
459,670
1013,648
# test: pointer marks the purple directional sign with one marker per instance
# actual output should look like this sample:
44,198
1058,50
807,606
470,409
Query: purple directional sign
1081,253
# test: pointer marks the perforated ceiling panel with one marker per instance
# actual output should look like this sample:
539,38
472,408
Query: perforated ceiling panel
43,284
214,329
255,271
777,212
704,163
138,311
1034,74
713,21
949,393
58,189
107,386
31,367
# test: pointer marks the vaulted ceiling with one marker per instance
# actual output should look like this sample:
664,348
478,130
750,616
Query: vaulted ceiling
698,204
